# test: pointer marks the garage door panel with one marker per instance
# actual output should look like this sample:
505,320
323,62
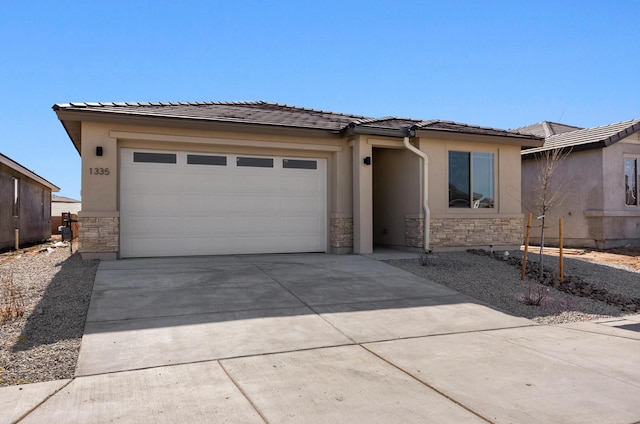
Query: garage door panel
161,205
199,209
209,184
152,247
255,184
301,224
300,184
207,227
248,205
230,205
140,182
294,205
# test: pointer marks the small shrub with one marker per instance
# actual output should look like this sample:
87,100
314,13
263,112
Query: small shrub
11,301
535,295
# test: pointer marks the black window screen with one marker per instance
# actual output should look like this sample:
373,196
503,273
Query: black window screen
154,157
299,164
206,160
255,162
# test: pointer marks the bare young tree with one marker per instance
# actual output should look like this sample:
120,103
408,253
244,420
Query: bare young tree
549,191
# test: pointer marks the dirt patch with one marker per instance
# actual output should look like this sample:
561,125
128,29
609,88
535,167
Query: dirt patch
627,256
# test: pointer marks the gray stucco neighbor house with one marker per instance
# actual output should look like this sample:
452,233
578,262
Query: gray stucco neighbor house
600,178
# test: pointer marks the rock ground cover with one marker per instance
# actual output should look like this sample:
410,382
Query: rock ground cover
494,278
54,288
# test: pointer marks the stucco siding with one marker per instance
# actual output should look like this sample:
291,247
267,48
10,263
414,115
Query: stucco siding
593,206
34,216
578,184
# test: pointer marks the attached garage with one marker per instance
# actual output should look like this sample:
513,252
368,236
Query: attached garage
181,203
209,178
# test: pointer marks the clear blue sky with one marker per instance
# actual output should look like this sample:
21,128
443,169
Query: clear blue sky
503,64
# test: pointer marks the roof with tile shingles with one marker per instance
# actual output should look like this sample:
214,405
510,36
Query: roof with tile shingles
450,126
392,122
235,112
274,114
588,138
546,128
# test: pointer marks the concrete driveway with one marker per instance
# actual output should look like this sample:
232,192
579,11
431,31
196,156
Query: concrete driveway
324,338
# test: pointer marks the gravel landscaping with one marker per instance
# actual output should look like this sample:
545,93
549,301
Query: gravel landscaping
55,286
495,280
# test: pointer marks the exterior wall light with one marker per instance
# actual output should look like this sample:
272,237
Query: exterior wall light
367,160
99,151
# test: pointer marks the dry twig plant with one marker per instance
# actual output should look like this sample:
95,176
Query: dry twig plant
11,301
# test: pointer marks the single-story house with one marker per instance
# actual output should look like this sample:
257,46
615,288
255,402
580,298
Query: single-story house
60,207
165,179
598,181
62,204
25,205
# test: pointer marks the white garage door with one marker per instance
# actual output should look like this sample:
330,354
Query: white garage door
180,203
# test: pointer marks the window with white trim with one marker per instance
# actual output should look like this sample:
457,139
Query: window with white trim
631,181
471,180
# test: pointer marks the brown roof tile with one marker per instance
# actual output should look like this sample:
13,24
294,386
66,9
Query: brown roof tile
588,138
450,126
259,112
264,113
546,128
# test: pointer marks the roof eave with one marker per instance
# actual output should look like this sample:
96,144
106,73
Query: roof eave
353,129
72,119
5,160
622,134
517,140
531,153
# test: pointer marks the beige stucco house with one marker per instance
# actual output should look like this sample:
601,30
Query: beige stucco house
598,180
162,179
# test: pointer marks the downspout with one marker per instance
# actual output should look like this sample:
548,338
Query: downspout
425,188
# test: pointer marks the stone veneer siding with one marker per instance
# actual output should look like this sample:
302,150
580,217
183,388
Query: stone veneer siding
341,232
98,234
457,232
414,232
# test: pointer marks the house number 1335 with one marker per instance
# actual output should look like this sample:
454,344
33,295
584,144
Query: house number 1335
99,171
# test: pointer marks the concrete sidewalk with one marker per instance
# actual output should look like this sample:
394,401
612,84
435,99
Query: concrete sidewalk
323,338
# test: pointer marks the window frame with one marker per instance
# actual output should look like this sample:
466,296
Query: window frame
636,159
493,174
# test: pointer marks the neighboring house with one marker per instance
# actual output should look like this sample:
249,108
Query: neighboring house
161,179
599,177
62,205
25,205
